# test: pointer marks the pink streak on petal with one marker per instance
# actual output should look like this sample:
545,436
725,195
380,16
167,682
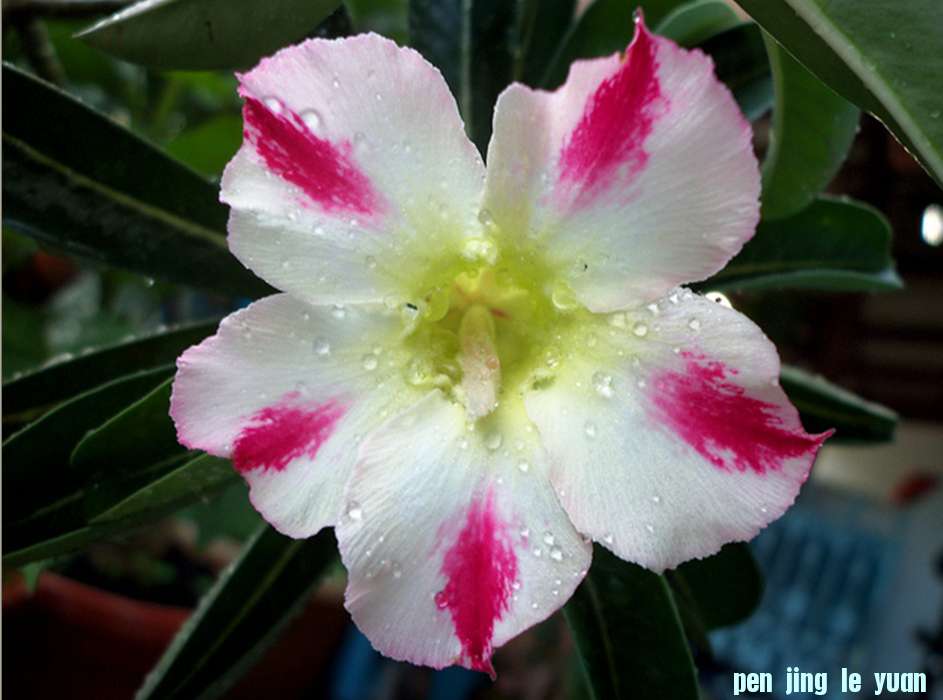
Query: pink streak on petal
278,434
480,569
725,426
324,171
610,137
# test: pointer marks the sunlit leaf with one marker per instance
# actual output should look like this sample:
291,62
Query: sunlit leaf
886,57
205,34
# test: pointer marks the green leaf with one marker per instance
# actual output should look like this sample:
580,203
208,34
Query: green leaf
74,179
45,386
740,62
696,22
833,244
205,34
545,25
122,501
240,616
36,459
208,146
720,590
886,57
823,405
143,433
628,634
604,28
475,43
812,131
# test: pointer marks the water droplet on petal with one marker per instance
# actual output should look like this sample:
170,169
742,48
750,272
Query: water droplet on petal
523,466
322,347
370,362
556,554
494,440
694,324
590,429
608,538
650,529
339,312
355,511
640,329
312,119
549,538
656,500
602,383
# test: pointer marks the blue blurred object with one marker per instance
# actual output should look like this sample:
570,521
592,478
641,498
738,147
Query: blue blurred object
841,573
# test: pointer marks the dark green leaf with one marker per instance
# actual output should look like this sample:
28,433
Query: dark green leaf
886,57
36,459
698,21
475,43
604,28
546,22
823,405
205,34
48,385
207,147
143,433
720,590
241,615
120,502
741,64
812,131
76,180
628,634
833,244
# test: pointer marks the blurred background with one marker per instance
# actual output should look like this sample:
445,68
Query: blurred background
854,573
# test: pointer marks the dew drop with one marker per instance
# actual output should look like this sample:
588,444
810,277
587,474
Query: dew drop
312,119
516,585
608,538
274,104
650,529
355,511
523,466
339,312
694,324
549,538
556,554
640,329
656,499
602,383
590,429
494,440
538,552
525,533
371,262
397,571
322,347
370,362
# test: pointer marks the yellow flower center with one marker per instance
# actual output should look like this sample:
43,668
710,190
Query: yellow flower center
488,324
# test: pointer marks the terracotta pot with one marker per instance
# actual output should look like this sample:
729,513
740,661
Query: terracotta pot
71,640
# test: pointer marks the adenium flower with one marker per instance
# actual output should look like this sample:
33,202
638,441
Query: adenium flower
475,372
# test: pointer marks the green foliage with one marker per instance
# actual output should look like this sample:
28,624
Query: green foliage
240,616
202,34
76,180
628,634
833,244
885,57
812,131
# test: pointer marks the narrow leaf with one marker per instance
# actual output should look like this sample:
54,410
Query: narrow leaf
833,244
476,44
628,634
741,63
74,179
545,26
48,385
823,405
698,21
240,616
722,589
121,502
143,432
886,57
813,128
205,34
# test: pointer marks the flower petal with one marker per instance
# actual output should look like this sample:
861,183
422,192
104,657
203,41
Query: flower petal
286,390
633,177
670,436
354,170
452,547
